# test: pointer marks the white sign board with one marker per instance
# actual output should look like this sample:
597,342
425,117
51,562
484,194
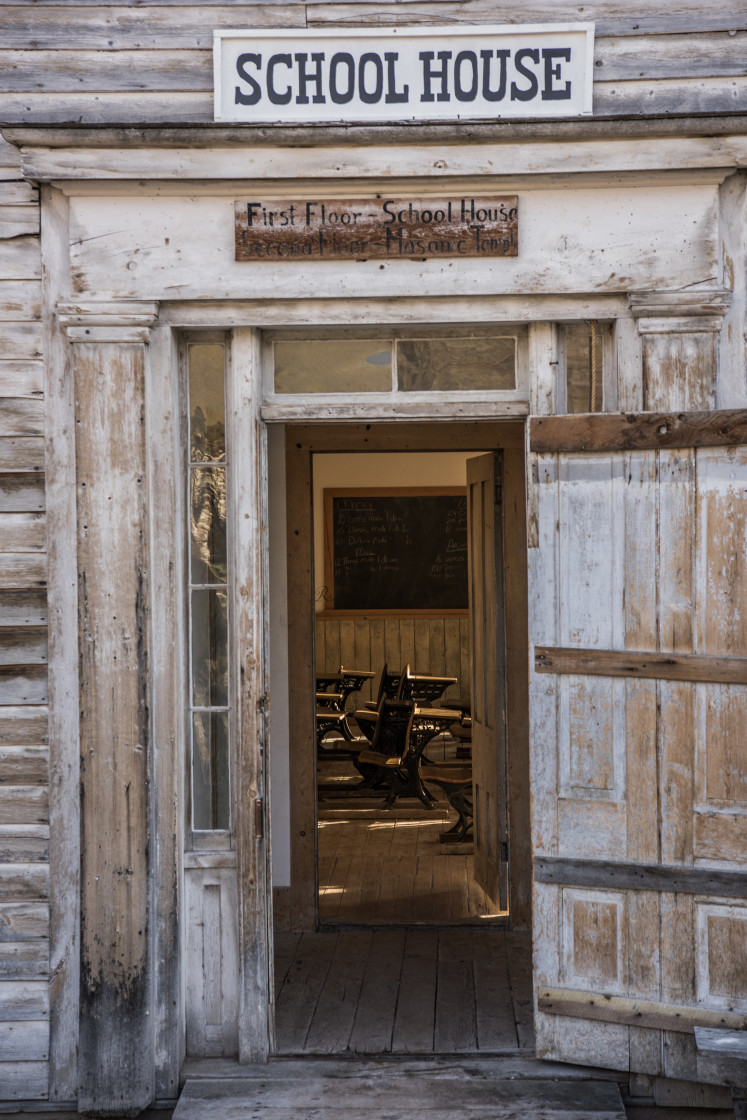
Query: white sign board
404,73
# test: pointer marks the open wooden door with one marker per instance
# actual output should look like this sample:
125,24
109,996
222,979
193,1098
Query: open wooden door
638,619
487,621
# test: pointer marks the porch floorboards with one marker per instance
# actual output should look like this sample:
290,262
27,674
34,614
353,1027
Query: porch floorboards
395,1091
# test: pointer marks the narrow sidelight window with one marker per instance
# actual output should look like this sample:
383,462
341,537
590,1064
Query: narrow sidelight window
208,588
587,356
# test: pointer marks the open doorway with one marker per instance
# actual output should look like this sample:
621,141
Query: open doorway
418,966
400,558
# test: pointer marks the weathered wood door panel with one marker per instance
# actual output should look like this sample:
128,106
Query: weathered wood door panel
646,776
486,604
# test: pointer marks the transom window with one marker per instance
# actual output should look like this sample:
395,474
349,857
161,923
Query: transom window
424,361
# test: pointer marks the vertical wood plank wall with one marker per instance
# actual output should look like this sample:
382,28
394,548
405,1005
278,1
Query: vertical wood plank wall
429,645
24,817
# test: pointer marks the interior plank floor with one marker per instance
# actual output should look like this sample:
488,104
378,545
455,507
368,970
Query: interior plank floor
388,869
403,991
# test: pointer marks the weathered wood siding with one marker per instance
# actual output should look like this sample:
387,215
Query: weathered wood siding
428,645
98,63
24,806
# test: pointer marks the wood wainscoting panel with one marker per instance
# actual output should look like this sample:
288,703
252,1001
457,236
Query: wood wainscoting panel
428,645
212,967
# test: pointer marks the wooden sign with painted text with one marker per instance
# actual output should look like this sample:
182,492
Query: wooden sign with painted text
377,229
374,74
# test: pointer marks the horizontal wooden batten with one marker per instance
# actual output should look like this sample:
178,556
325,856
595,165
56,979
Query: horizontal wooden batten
22,570
24,921
27,646
19,299
190,67
637,663
20,882
24,765
24,960
23,726
23,684
25,1081
634,1012
647,97
638,431
22,453
21,493
26,843
21,416
606,874
23,1002
24,1042
23,532
24,804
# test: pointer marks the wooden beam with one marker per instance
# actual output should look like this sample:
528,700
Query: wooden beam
721,1057
634,1012
638,431
642,664
471,435
725,1043
640,876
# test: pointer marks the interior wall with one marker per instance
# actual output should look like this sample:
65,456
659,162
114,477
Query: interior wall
436,468
279,722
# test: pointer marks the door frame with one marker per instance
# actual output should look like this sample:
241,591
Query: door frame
304,440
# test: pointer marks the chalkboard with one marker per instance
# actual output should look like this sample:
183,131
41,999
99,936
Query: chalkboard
396,549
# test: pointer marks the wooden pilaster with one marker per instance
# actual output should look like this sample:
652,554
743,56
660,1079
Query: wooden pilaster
116,1048
680,347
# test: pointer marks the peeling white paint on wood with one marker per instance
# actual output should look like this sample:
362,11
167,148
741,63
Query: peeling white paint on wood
130,249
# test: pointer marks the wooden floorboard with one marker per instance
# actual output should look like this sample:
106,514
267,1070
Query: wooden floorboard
374,1020
416,1006
336,1008
404,991
494,1010
285,951
384,869
298,995
456,1019
519,958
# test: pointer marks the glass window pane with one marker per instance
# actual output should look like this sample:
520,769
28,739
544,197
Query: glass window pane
209,649
453,364
333,366
206,403
208,524
583,363
210,786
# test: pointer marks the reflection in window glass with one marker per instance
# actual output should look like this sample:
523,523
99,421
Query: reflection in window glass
584,356
206,404
208,594
209,648
454,364
333,366
207,500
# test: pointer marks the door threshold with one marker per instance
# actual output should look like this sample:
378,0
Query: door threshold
510,1064
489,921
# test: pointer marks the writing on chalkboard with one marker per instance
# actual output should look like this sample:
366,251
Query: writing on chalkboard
397,549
